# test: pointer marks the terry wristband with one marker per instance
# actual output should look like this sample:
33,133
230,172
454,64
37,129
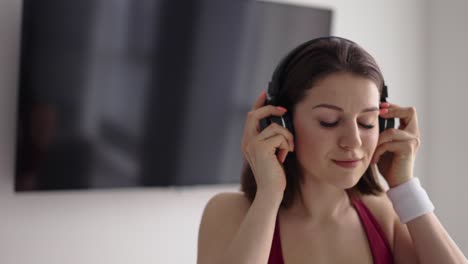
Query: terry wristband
410,200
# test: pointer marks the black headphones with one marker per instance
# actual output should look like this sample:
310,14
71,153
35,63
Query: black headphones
275,89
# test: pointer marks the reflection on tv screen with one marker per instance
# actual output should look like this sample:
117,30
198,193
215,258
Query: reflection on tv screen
145,93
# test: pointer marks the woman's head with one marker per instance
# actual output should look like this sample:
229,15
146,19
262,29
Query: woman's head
331,88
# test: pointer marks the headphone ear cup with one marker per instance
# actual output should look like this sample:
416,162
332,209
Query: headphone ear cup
288,122
284,121
381,124
386,123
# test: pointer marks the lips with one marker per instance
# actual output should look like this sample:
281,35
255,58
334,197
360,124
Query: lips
347,163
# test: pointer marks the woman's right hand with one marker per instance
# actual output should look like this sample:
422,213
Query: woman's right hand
259,147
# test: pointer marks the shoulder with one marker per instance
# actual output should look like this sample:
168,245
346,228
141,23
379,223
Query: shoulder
382,209
226,205
222,216
380,203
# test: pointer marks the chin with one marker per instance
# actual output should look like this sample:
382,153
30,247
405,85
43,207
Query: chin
347,184
348,181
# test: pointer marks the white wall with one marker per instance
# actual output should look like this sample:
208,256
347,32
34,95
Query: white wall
448,145
160,225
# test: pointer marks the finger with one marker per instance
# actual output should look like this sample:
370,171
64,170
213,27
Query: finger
282,154
260,101
267,111
402,148
252,126
274,129
252,123
384,104
407,115
269,145
279,142
393,134
386,147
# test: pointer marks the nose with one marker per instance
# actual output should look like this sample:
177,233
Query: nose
350,137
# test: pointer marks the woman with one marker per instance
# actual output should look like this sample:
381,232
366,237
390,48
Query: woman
309,190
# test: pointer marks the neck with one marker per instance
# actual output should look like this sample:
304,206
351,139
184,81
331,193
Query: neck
320,202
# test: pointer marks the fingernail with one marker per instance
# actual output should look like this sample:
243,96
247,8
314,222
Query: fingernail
281,108
383,111
384,104
262,93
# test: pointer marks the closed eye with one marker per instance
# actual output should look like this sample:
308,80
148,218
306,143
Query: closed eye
325,124
367,126
330,125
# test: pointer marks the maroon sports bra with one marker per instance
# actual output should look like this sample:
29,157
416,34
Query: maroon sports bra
381,251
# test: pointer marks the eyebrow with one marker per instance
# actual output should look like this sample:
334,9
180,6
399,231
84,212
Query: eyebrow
334,107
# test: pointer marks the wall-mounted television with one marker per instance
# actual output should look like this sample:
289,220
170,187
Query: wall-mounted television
127,93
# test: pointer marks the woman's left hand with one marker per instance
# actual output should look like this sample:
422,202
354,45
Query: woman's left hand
396,149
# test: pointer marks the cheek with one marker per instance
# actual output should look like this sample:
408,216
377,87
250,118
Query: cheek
370,140
311,141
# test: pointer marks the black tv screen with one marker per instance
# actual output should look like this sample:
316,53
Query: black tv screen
132,93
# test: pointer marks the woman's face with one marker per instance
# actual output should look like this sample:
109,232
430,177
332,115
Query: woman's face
337,121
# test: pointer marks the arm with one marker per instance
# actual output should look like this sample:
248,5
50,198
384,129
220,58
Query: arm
423,237
431,241
421,240
233,231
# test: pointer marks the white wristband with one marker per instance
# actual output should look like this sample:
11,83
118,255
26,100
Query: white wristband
410,200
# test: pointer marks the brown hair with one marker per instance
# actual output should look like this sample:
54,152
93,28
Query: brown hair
312,63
